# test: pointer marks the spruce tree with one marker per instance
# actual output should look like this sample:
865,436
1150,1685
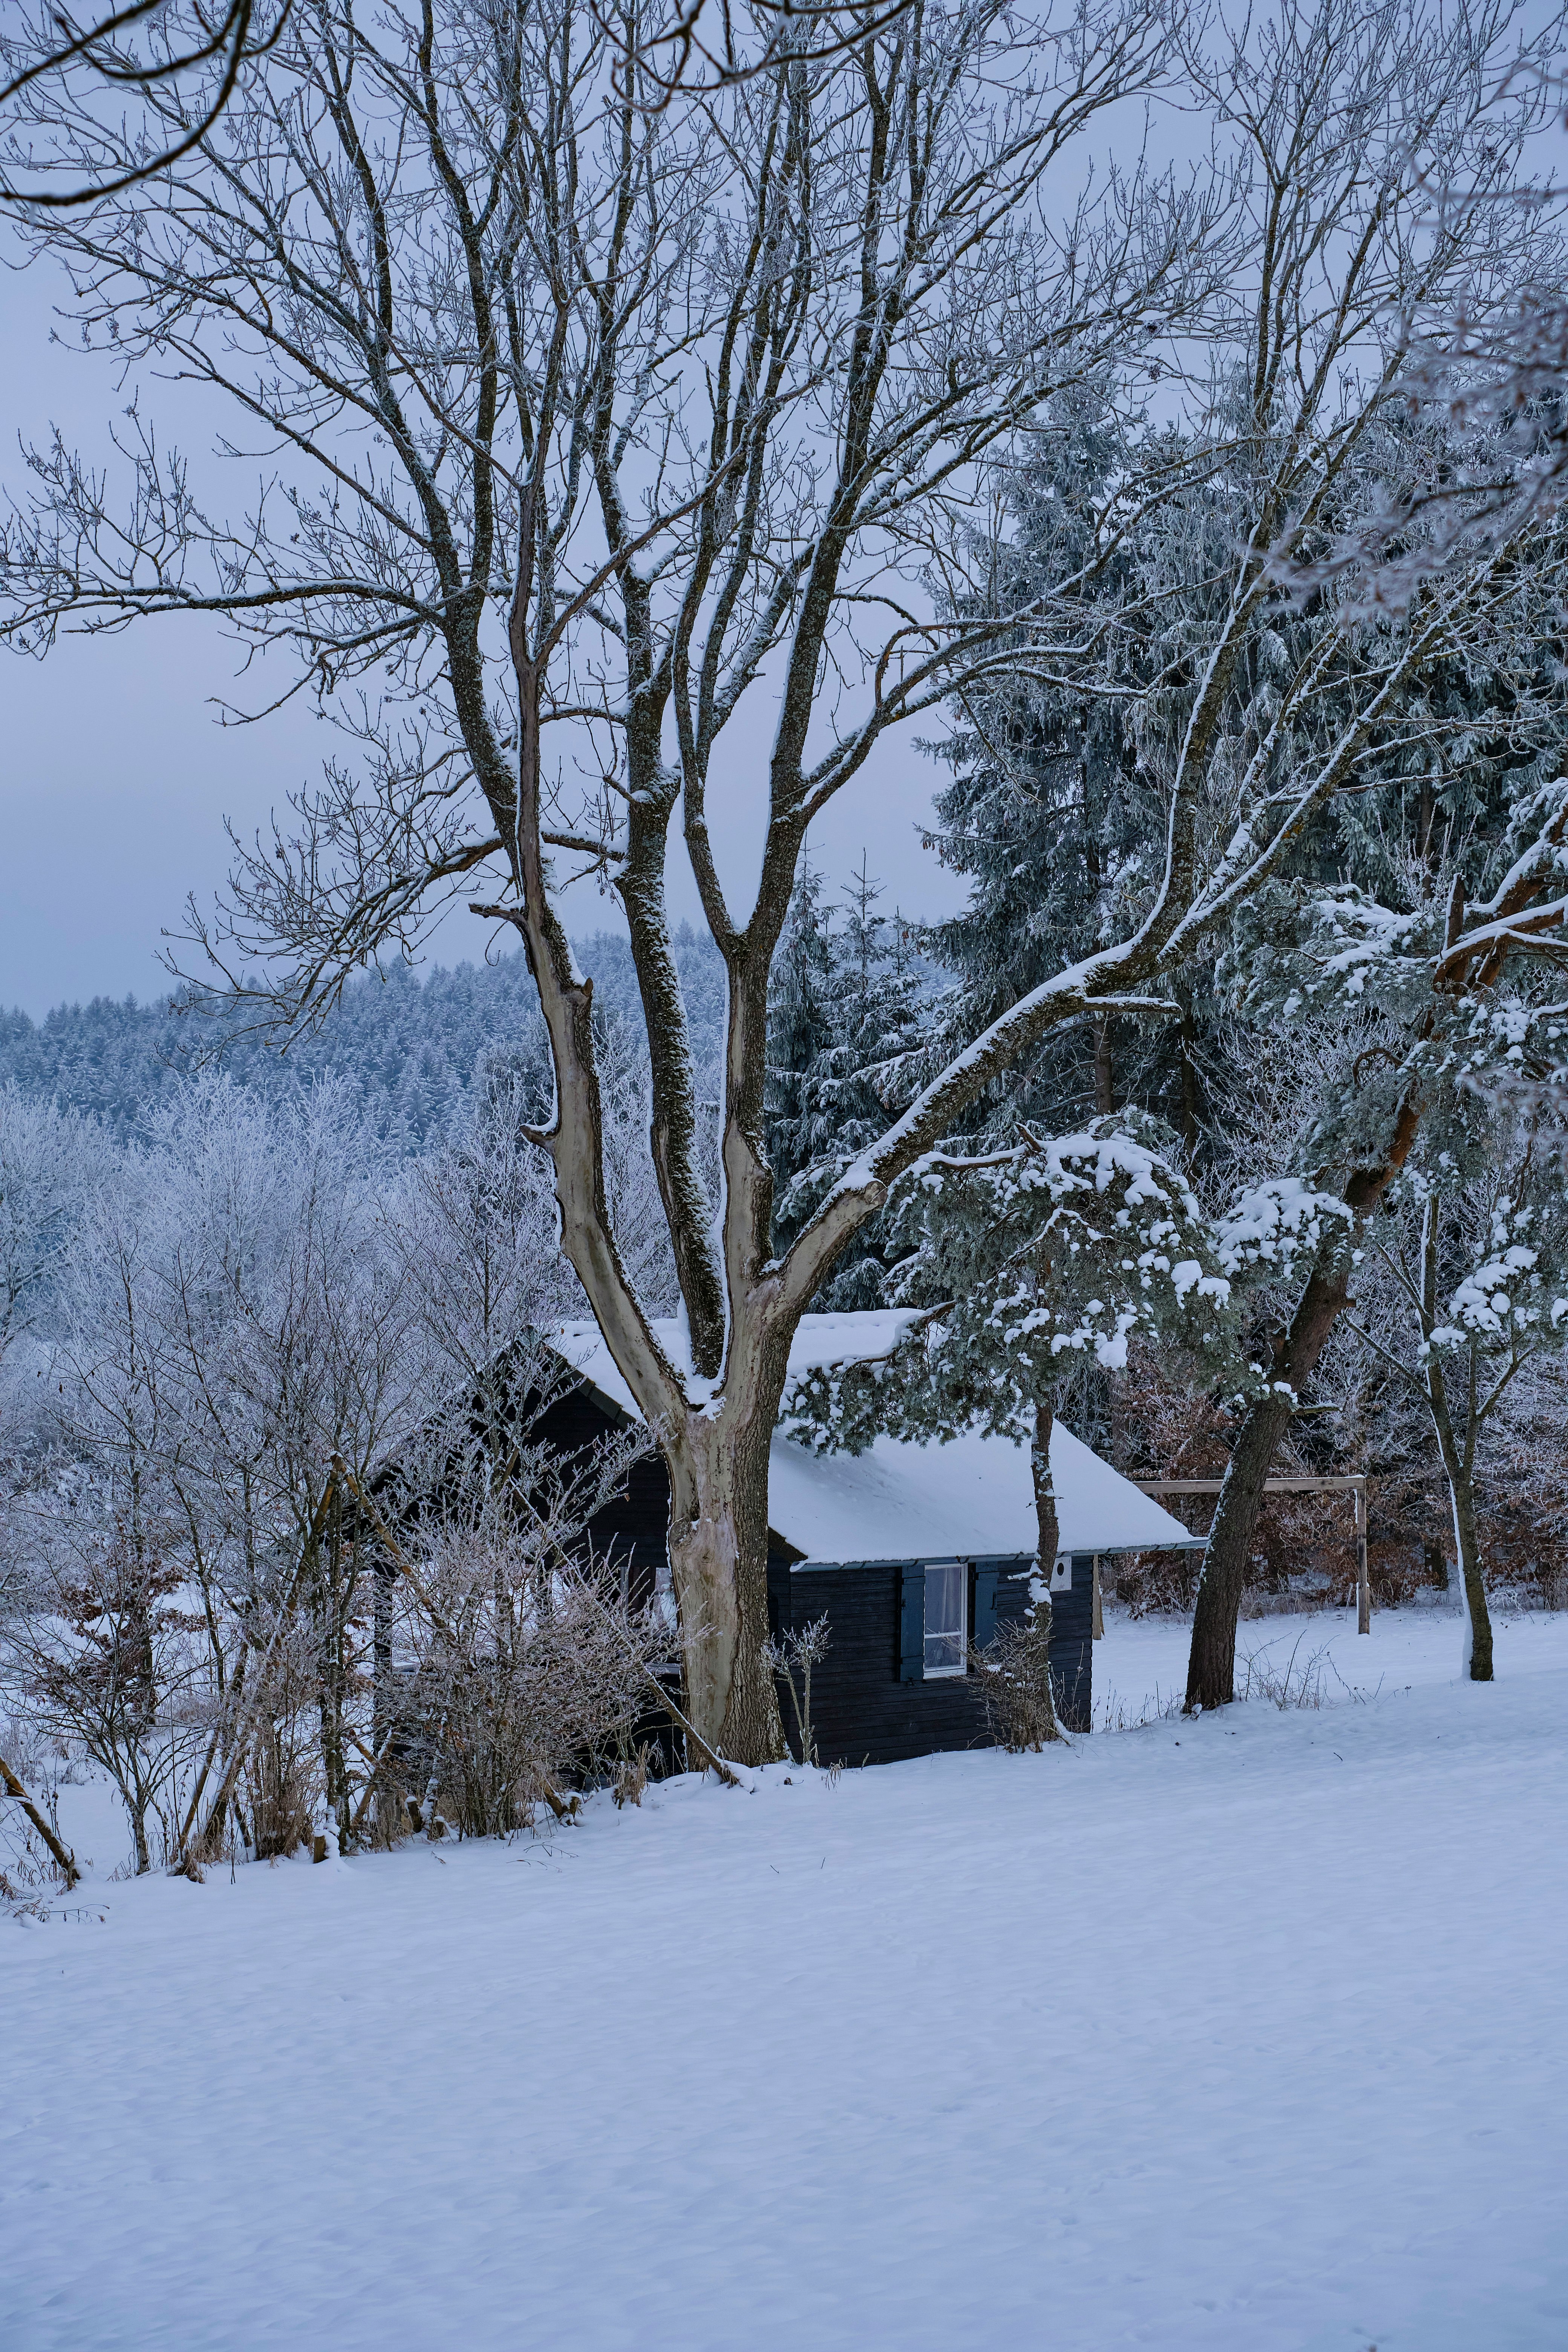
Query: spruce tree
800,1035
845,1035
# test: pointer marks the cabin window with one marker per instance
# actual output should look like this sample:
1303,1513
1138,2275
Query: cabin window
947,1591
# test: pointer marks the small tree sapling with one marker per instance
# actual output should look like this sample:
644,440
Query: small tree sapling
1023,1264
1481,1269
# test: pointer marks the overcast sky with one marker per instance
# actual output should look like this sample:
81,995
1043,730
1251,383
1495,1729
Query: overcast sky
115,777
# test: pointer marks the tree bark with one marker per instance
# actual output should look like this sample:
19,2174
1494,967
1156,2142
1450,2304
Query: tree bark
1211,1664
1047,1536
719,1561
1046,1523
1458,1456
63,1856
1458,1463
1104,1071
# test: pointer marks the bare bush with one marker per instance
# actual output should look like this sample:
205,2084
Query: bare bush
108,1659
1016,1683
797,1653
526,1675
633,1775
1295,1682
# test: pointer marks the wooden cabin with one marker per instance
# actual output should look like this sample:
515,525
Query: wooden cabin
914,1552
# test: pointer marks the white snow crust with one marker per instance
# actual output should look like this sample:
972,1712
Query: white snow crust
900,1501
973,1495
1242,2035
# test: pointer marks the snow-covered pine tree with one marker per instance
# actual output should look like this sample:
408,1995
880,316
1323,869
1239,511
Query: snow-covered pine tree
1024,1263
1057,809
1047,812
800,1034
1447,1002
845,1031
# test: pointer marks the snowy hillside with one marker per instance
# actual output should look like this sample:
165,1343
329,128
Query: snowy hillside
1246,2035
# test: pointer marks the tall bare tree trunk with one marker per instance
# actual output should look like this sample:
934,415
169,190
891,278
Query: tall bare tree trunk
1459,1464
1211,1664
719,1561
1047,1536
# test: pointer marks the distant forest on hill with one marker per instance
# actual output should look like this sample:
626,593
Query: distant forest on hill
408,1044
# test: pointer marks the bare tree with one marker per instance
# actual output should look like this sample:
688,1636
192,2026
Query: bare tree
51,1162
1494,372
200,52
229,1319
698,46
1478,1271
106,1657
738,382
729,379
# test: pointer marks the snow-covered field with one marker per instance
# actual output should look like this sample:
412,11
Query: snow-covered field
1248,2035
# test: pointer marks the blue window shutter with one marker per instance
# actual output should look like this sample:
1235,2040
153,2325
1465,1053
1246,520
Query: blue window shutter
985,1583
911,1622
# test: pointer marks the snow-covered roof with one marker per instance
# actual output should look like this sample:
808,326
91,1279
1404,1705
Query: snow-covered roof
970,1495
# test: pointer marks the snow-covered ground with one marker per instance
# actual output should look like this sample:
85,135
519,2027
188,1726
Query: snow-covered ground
1140,1667
1248,2034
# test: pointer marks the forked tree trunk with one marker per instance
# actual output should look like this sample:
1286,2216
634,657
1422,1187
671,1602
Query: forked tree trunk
718,1563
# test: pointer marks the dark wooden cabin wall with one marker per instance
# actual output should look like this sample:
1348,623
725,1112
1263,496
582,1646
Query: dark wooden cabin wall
862,1713
630,1533
1072,1647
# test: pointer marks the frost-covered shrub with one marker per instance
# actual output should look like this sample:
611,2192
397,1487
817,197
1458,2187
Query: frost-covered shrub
523,1678
1014,1684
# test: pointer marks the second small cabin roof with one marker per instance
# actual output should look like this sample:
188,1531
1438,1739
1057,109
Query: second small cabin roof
968,1497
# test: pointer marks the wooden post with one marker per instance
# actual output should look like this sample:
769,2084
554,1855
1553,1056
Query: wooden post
1097,1613
1364,1576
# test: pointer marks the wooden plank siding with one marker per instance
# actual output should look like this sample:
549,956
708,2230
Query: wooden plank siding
630,1534
862,1713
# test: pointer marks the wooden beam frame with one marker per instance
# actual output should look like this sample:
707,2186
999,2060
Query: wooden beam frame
1354,1484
